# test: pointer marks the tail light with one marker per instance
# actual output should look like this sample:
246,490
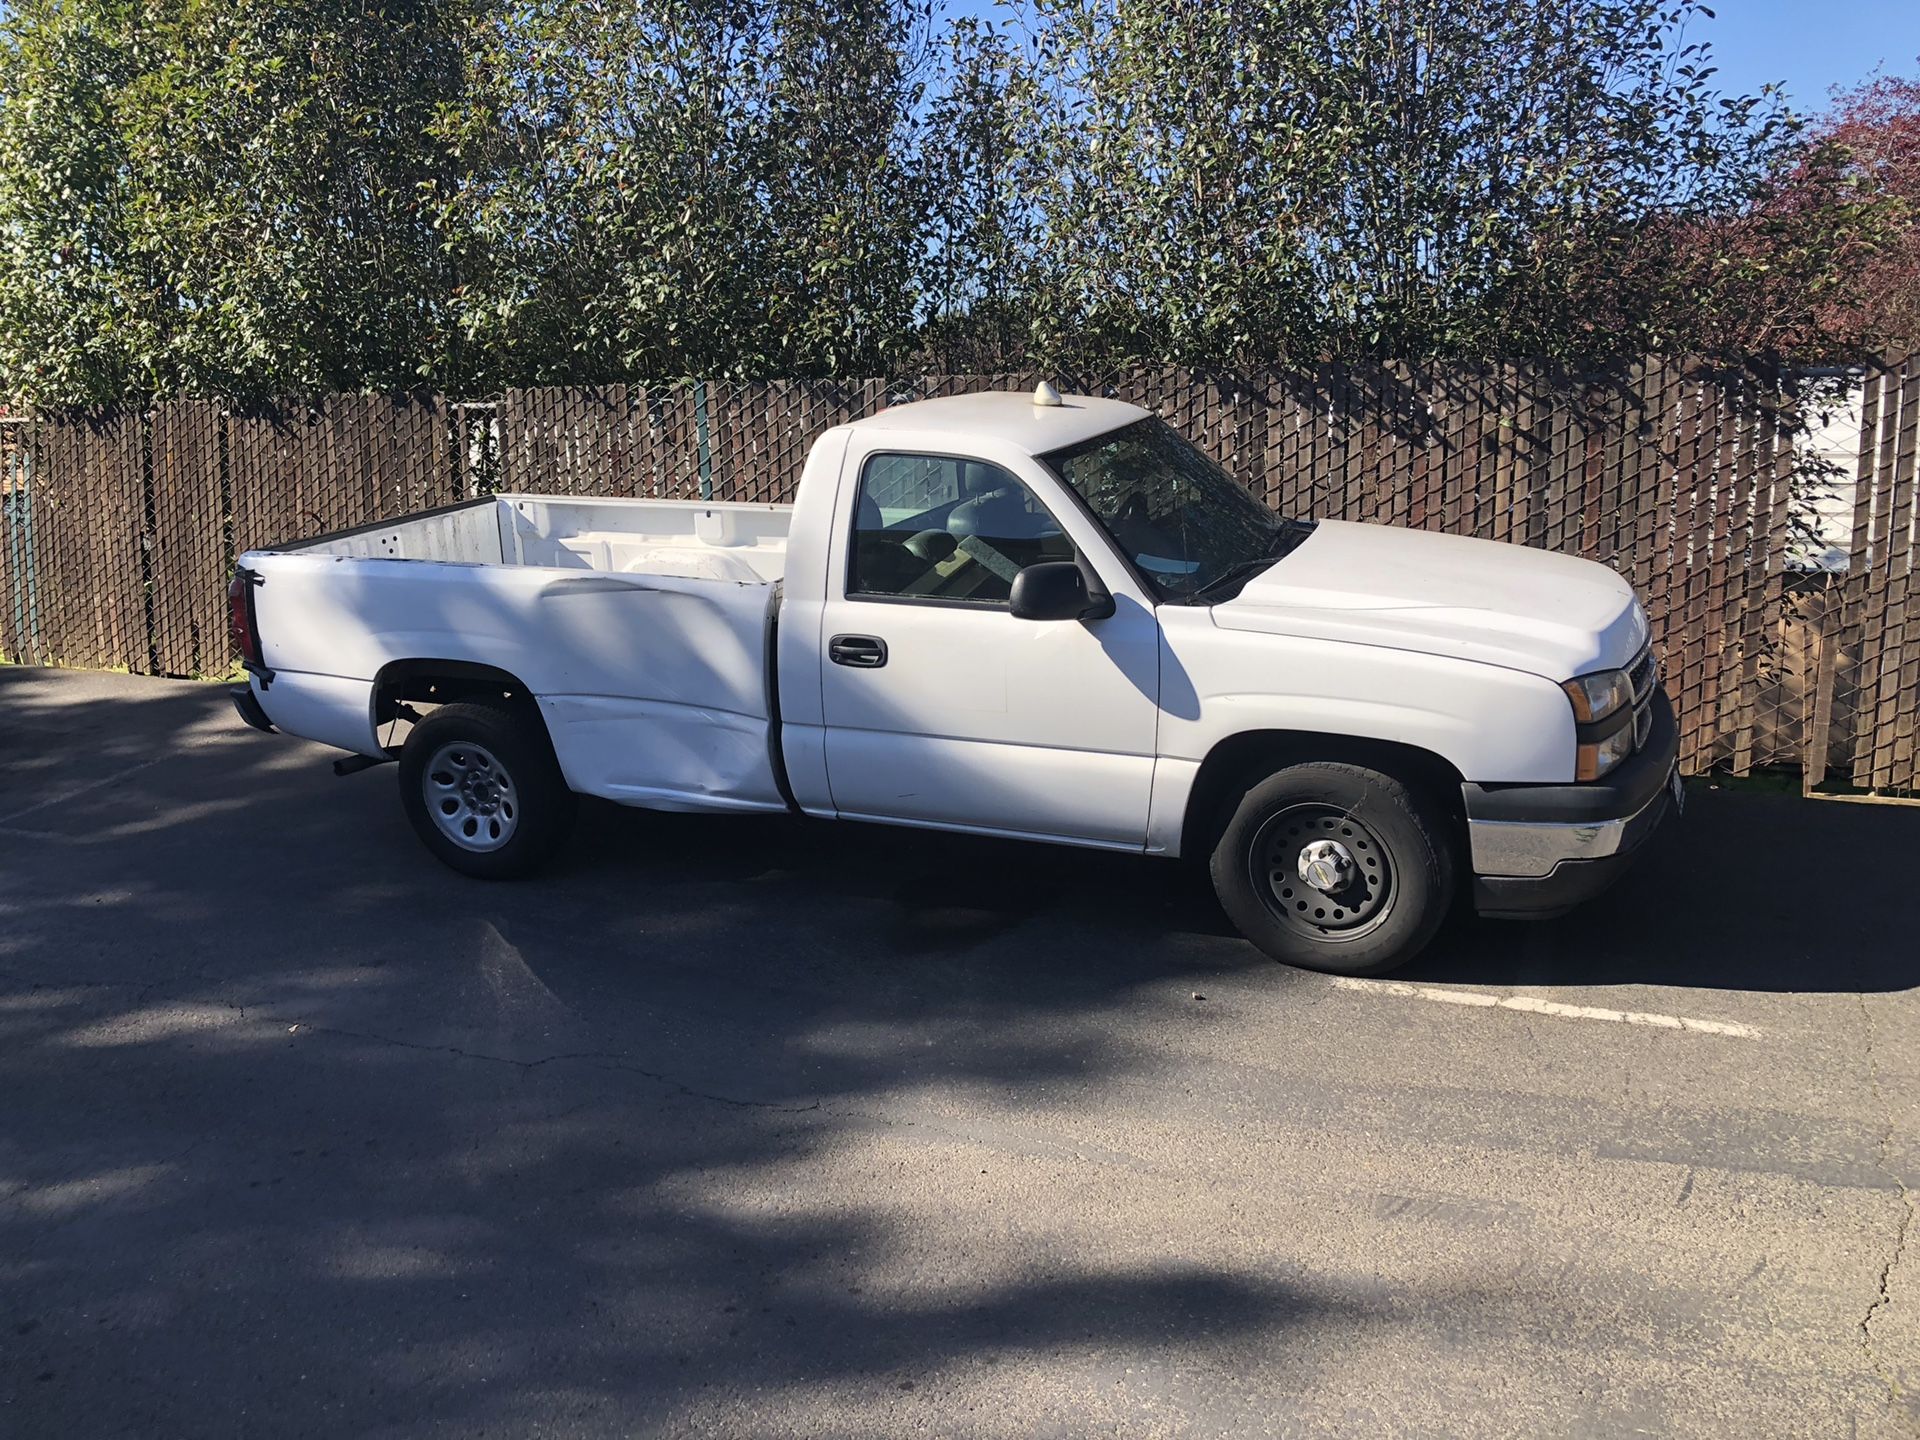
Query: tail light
240,626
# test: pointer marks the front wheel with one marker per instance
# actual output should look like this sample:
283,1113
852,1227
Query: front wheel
1335,867
483,791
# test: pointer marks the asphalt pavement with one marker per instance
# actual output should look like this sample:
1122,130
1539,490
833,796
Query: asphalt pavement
767,1127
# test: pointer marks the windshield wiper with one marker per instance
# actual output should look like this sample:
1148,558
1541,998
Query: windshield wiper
1239,570
1286,537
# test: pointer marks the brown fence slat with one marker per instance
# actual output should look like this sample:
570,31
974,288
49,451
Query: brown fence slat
1893,711
188,548
87,506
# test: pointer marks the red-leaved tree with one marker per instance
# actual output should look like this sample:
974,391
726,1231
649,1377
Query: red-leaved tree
1875,129
1821,263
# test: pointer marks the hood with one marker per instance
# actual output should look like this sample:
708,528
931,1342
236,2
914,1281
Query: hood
1550,615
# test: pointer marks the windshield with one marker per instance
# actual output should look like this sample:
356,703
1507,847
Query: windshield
1189,528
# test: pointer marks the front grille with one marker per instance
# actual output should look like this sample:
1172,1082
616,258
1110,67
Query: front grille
1644,674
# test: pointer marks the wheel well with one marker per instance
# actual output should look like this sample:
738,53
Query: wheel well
401,684
1239,762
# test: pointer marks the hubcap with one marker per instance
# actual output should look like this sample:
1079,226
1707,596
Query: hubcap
1327,866
470,796
1322,872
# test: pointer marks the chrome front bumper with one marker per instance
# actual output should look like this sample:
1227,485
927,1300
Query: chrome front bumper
1533,849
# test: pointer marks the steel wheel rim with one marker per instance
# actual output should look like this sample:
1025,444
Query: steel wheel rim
470,796
1355,907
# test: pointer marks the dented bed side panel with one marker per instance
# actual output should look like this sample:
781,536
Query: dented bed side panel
654,688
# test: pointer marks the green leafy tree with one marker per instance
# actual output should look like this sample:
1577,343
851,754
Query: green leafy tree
659,191
836,161
251,198
1292,179
82,290
230,198
976,172
600,220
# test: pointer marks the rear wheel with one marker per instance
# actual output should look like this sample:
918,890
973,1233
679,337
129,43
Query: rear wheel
1335,867
483,791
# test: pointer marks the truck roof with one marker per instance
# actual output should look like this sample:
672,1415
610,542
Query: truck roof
1010,416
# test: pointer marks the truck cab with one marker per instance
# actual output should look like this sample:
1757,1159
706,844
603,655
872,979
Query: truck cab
1041,617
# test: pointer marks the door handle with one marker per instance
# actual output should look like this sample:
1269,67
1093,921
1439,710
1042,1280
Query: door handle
863,652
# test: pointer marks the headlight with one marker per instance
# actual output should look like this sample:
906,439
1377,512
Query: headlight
1598,695
1597,759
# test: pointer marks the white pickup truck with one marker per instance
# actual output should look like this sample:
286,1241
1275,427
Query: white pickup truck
1039,617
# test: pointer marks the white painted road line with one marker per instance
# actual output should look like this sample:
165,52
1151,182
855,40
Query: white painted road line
1531,1006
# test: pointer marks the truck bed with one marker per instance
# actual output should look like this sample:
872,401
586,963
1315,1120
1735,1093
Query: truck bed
700,540
639,626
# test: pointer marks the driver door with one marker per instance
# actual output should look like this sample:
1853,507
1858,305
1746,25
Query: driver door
940,708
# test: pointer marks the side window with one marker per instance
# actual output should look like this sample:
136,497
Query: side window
938,528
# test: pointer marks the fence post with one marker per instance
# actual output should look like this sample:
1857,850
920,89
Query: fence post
702,439
1813,765
16,511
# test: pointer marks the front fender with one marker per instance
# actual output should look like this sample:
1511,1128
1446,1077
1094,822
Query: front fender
1488,723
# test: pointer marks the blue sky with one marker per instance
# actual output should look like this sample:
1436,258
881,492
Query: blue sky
1806,46
1809,46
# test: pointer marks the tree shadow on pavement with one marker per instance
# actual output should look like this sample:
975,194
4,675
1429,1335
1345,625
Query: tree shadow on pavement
305,1134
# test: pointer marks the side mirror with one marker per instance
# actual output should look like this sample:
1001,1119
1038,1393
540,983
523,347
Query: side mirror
1056,590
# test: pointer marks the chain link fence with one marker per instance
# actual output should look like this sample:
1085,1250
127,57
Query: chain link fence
118,531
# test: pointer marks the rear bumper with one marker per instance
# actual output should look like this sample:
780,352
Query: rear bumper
1540,850
248,704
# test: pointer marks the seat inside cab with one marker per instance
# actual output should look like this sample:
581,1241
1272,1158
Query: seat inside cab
944,528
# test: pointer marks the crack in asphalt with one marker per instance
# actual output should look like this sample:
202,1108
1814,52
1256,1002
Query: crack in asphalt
1896,1253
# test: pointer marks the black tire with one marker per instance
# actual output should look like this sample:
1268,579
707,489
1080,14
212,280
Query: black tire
503,806
1391,860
